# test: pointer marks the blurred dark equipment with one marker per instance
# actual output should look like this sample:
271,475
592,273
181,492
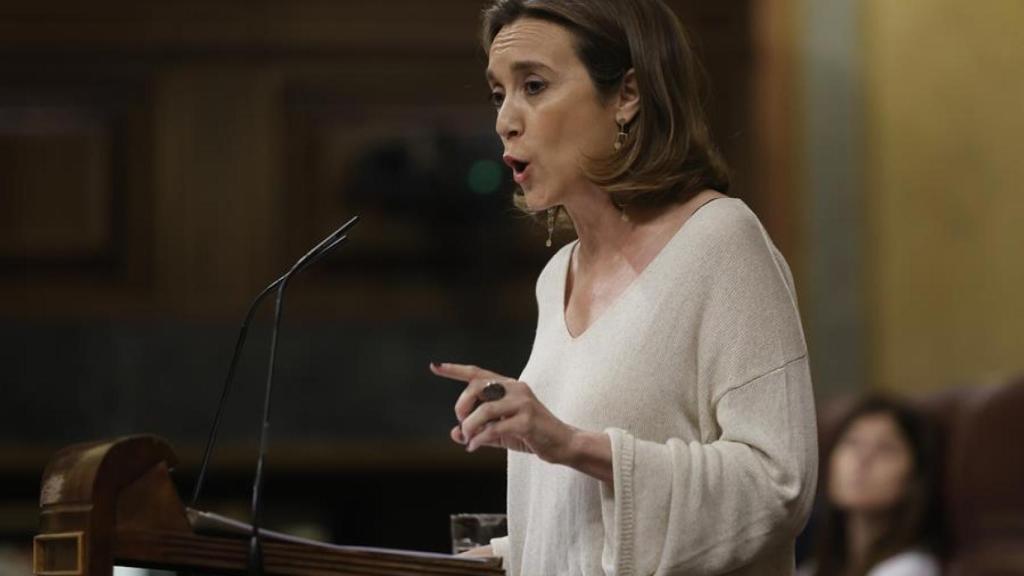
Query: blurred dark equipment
983,473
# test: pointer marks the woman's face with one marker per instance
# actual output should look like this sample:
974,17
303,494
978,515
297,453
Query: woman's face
870,466
550,117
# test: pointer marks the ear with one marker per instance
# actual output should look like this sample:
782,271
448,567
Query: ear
629,98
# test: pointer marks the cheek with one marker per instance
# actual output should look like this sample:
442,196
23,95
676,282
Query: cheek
874,487
595,135
891,482
839,472
574,132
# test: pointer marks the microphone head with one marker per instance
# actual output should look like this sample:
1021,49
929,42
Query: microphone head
323,252
327,243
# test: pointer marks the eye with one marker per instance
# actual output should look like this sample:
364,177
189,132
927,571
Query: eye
850,441
497,98
890,448
534,86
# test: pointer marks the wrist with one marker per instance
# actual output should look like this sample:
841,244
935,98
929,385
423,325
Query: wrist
574,447
579,447
590,453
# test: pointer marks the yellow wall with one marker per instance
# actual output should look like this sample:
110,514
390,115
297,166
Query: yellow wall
944,144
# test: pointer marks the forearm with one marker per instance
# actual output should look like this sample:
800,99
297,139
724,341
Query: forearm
591,453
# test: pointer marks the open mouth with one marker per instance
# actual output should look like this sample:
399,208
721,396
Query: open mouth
518,167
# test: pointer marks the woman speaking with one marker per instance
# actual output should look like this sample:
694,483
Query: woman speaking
664,423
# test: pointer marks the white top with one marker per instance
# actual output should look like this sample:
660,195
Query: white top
699,374
909,563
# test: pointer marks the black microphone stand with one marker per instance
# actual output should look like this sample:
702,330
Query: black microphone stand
255,543
335,239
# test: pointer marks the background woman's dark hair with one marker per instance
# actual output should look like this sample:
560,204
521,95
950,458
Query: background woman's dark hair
669,154
916,521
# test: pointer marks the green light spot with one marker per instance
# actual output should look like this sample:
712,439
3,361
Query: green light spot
484,177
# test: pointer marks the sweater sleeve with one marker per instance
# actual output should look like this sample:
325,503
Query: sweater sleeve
687,507
715,504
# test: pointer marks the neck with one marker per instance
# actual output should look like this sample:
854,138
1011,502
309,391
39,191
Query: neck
602,231
605,235
863,530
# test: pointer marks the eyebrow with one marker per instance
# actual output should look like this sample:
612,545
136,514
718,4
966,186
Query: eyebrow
520,66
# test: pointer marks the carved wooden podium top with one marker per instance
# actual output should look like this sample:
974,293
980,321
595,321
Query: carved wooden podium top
113,502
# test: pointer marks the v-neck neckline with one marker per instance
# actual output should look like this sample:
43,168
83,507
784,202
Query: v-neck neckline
631,287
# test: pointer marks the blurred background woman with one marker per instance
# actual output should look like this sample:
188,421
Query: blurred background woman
880,515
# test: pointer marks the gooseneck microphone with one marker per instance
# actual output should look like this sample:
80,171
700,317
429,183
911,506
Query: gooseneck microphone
255,546
321,249
335,239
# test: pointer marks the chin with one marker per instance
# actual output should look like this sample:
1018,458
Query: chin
537,200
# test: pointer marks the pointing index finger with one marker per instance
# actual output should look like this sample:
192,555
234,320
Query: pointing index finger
461,372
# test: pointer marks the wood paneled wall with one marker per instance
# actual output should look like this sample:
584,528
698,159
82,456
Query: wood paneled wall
166,159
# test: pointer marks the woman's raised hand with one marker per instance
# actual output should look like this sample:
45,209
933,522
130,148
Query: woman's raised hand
518,421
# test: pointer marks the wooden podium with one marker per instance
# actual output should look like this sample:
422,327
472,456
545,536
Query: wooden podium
113,503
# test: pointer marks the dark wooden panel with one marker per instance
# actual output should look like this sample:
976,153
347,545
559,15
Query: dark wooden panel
298,27
74,147
57,182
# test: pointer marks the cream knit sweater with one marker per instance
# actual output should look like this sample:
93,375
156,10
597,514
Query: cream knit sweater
698,372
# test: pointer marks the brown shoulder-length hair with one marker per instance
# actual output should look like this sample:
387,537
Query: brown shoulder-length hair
915,522
669,153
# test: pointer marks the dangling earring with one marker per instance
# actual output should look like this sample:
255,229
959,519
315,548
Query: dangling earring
620,138
622,214
551,225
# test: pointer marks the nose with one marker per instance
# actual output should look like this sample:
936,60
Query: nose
509,123
866,456
863,459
